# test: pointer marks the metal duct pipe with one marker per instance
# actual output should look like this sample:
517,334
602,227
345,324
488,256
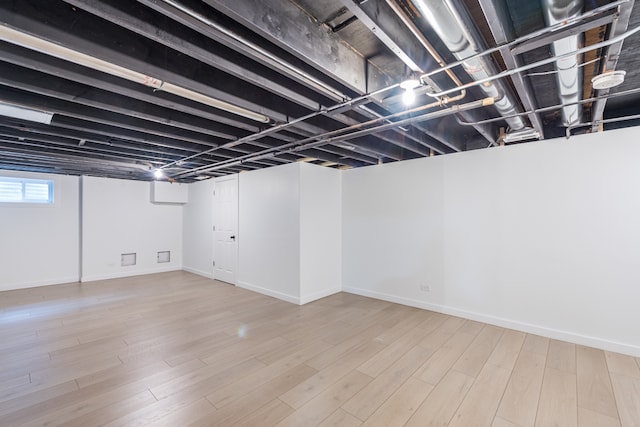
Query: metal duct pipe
422,39
506,73
450,26
569,77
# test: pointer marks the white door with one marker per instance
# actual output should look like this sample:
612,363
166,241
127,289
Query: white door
225,232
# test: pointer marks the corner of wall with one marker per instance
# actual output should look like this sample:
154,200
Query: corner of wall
270,292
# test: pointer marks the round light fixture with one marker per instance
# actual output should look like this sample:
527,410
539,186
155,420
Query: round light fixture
409,97
409,86
158,173
608,79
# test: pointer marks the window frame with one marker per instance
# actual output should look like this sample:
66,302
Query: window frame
24,181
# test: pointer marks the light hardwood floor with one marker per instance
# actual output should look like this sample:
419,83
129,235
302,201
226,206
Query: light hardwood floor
177,349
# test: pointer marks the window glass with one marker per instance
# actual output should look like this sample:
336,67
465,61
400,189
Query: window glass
17,190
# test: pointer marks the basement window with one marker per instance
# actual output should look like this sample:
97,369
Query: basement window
22,190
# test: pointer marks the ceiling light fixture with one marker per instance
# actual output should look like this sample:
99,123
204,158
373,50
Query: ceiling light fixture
409,86
522,135
28,41
23,113
608,79
158,173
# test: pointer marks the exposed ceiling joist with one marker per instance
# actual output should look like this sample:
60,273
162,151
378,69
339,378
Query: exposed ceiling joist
260,83
319,48
498,16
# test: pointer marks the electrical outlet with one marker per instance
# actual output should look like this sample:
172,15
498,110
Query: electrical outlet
425,288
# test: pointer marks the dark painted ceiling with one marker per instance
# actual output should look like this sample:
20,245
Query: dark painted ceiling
206,88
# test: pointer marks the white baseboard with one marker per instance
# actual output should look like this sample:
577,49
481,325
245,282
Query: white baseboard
317,295
264,291
37,283
558,334
203,273
129,273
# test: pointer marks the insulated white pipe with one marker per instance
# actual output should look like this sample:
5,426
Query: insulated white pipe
520,69
569,76
28,41
447,23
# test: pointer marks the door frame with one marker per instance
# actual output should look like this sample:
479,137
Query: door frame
235,178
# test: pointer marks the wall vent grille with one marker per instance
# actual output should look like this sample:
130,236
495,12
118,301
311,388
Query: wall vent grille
164,256
128,259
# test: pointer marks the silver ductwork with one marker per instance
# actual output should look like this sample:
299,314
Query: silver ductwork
568,74
461,39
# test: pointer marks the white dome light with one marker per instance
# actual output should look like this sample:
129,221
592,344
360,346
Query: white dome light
409,86
608,79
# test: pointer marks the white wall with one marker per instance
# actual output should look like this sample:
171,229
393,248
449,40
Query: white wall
118,217
541,237
169,192
197,229
289,232
269,231
320,232
39,244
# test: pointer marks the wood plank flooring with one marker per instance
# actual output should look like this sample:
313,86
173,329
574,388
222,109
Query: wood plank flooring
176,349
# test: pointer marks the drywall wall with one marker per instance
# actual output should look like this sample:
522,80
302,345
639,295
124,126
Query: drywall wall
290,231
320,232
269,231
118,217
197,229
541,237
169,192
393,228
39,245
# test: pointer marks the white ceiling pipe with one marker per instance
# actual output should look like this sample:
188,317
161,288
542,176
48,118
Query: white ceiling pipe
569,75
28,41
447,23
